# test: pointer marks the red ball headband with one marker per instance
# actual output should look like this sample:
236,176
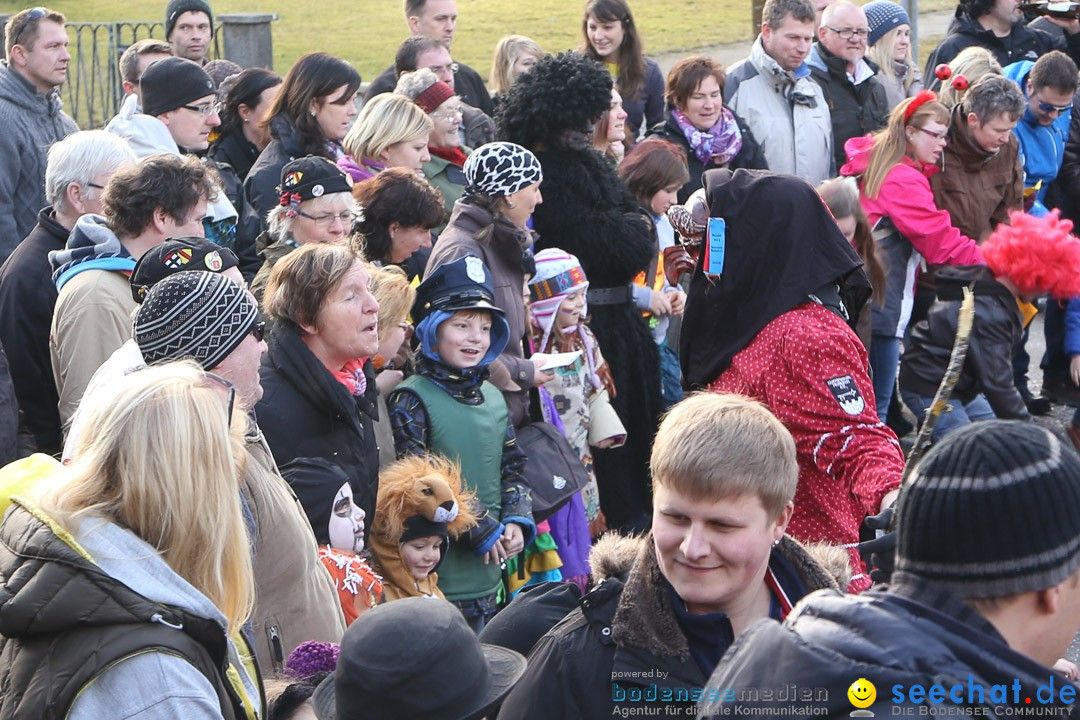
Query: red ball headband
923,97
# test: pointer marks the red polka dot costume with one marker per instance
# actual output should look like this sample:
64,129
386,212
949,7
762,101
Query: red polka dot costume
810,370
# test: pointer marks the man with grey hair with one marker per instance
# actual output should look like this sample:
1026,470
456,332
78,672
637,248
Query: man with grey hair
982,179
772,91
79,166
31,117
855,96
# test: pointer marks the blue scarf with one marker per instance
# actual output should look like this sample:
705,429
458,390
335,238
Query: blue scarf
91,246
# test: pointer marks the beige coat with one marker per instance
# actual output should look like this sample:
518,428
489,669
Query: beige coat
295,599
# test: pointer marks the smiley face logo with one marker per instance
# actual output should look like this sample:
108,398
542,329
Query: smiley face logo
862,693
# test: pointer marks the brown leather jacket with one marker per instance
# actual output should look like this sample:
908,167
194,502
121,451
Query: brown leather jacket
976,187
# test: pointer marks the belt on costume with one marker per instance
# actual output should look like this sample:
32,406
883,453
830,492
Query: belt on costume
610,296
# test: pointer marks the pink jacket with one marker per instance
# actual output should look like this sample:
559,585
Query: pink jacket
905,198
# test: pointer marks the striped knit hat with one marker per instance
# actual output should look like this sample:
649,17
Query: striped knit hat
992,511
194,314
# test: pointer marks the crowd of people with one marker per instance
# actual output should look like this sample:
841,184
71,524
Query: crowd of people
574,392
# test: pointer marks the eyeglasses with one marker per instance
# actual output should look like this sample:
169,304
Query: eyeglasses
222,382
939,136
259,331
450,114
205,110
846,33
439,69
327,219
1048,108
32,17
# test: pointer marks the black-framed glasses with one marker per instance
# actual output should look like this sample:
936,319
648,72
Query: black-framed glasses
231,394
95,185
327,219
846,33
259,331
32,17
204,110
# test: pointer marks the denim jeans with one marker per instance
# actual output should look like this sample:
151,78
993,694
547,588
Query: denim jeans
884,362
955,415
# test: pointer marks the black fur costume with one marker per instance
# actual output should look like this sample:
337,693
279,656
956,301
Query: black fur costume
589,212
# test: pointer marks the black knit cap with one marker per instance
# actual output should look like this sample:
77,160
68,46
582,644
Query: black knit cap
176,255
171,82
993,511
193,314
310,177
176,8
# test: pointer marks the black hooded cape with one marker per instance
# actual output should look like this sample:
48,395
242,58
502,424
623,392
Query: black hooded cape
782,245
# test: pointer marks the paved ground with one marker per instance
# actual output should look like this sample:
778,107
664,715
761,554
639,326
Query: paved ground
932,26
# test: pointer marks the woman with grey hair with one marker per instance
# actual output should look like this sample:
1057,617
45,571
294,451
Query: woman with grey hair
445,169
77,170
315,206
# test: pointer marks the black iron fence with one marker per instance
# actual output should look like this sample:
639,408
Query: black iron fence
93,91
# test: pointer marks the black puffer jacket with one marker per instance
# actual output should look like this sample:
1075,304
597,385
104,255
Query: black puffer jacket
750,157
856,109
1023,43
305,412
917,633
625,634
236,151
988,366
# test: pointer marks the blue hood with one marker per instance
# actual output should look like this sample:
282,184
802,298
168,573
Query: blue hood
426,332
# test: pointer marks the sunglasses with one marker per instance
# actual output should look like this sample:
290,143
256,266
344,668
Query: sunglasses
1048,108
32,17
259,331
231,393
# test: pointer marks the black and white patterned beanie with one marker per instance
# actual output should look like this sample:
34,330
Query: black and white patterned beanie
499,169
194,314
992,511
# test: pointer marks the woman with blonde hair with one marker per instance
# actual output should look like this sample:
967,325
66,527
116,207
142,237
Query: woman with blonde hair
889,47
395,295
893,169
972,63
390,132
514,54
131,579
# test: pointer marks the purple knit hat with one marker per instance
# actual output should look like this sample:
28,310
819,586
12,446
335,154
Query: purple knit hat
312,657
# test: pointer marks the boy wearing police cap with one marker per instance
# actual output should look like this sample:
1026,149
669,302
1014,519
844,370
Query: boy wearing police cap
448,406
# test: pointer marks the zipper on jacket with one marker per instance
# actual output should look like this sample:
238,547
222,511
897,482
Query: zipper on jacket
277,651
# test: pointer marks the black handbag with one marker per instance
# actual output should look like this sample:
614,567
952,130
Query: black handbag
553,472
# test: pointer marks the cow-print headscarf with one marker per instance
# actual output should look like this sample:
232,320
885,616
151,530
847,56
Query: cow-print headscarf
499,169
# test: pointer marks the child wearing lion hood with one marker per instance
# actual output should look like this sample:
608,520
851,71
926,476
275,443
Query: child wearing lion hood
421,505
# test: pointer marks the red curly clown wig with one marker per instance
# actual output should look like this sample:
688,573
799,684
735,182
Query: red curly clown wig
1037,254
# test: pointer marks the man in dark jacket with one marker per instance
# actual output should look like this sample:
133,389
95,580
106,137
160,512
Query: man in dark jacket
437,19
1033,257
35,43
724,474
79,167
855,96
985,597
998,26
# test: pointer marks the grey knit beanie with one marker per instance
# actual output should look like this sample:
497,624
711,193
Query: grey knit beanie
992,511
194,314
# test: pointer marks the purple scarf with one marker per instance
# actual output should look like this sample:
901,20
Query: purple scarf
719,144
